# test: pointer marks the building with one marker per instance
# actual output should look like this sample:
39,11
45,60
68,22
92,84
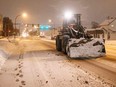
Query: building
109,28
1,25
96,33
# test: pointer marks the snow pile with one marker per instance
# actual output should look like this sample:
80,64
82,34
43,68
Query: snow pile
110,42
6,48
86,49
3,57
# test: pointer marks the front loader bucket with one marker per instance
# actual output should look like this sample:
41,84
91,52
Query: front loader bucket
93,47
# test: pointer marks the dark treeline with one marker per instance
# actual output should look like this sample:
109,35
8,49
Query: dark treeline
8,28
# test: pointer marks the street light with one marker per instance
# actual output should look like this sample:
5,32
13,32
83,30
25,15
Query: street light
49,20
52,26
68,14
23,15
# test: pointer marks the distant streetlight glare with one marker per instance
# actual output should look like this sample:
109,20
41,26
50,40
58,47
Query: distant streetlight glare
35,26
24,34
49,20
24,15
68,14
112,25
26,25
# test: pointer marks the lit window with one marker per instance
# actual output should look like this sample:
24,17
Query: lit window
112,25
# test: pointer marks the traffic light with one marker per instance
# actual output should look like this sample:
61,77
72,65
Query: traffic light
44,27
47,27
41,27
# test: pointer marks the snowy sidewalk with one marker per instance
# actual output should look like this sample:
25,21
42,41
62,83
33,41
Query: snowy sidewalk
111,42
6,48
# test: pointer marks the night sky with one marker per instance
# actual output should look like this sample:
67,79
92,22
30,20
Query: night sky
39,11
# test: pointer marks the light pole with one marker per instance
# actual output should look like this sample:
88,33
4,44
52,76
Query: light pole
50,21
24,15
16,19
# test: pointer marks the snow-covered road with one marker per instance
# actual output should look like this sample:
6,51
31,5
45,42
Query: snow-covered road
37,64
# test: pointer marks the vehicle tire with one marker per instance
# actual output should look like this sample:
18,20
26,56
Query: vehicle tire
65,42
58,43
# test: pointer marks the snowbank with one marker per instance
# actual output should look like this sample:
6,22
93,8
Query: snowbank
110,42
6,48
3,57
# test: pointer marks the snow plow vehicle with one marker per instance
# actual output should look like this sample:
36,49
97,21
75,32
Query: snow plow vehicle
73,41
